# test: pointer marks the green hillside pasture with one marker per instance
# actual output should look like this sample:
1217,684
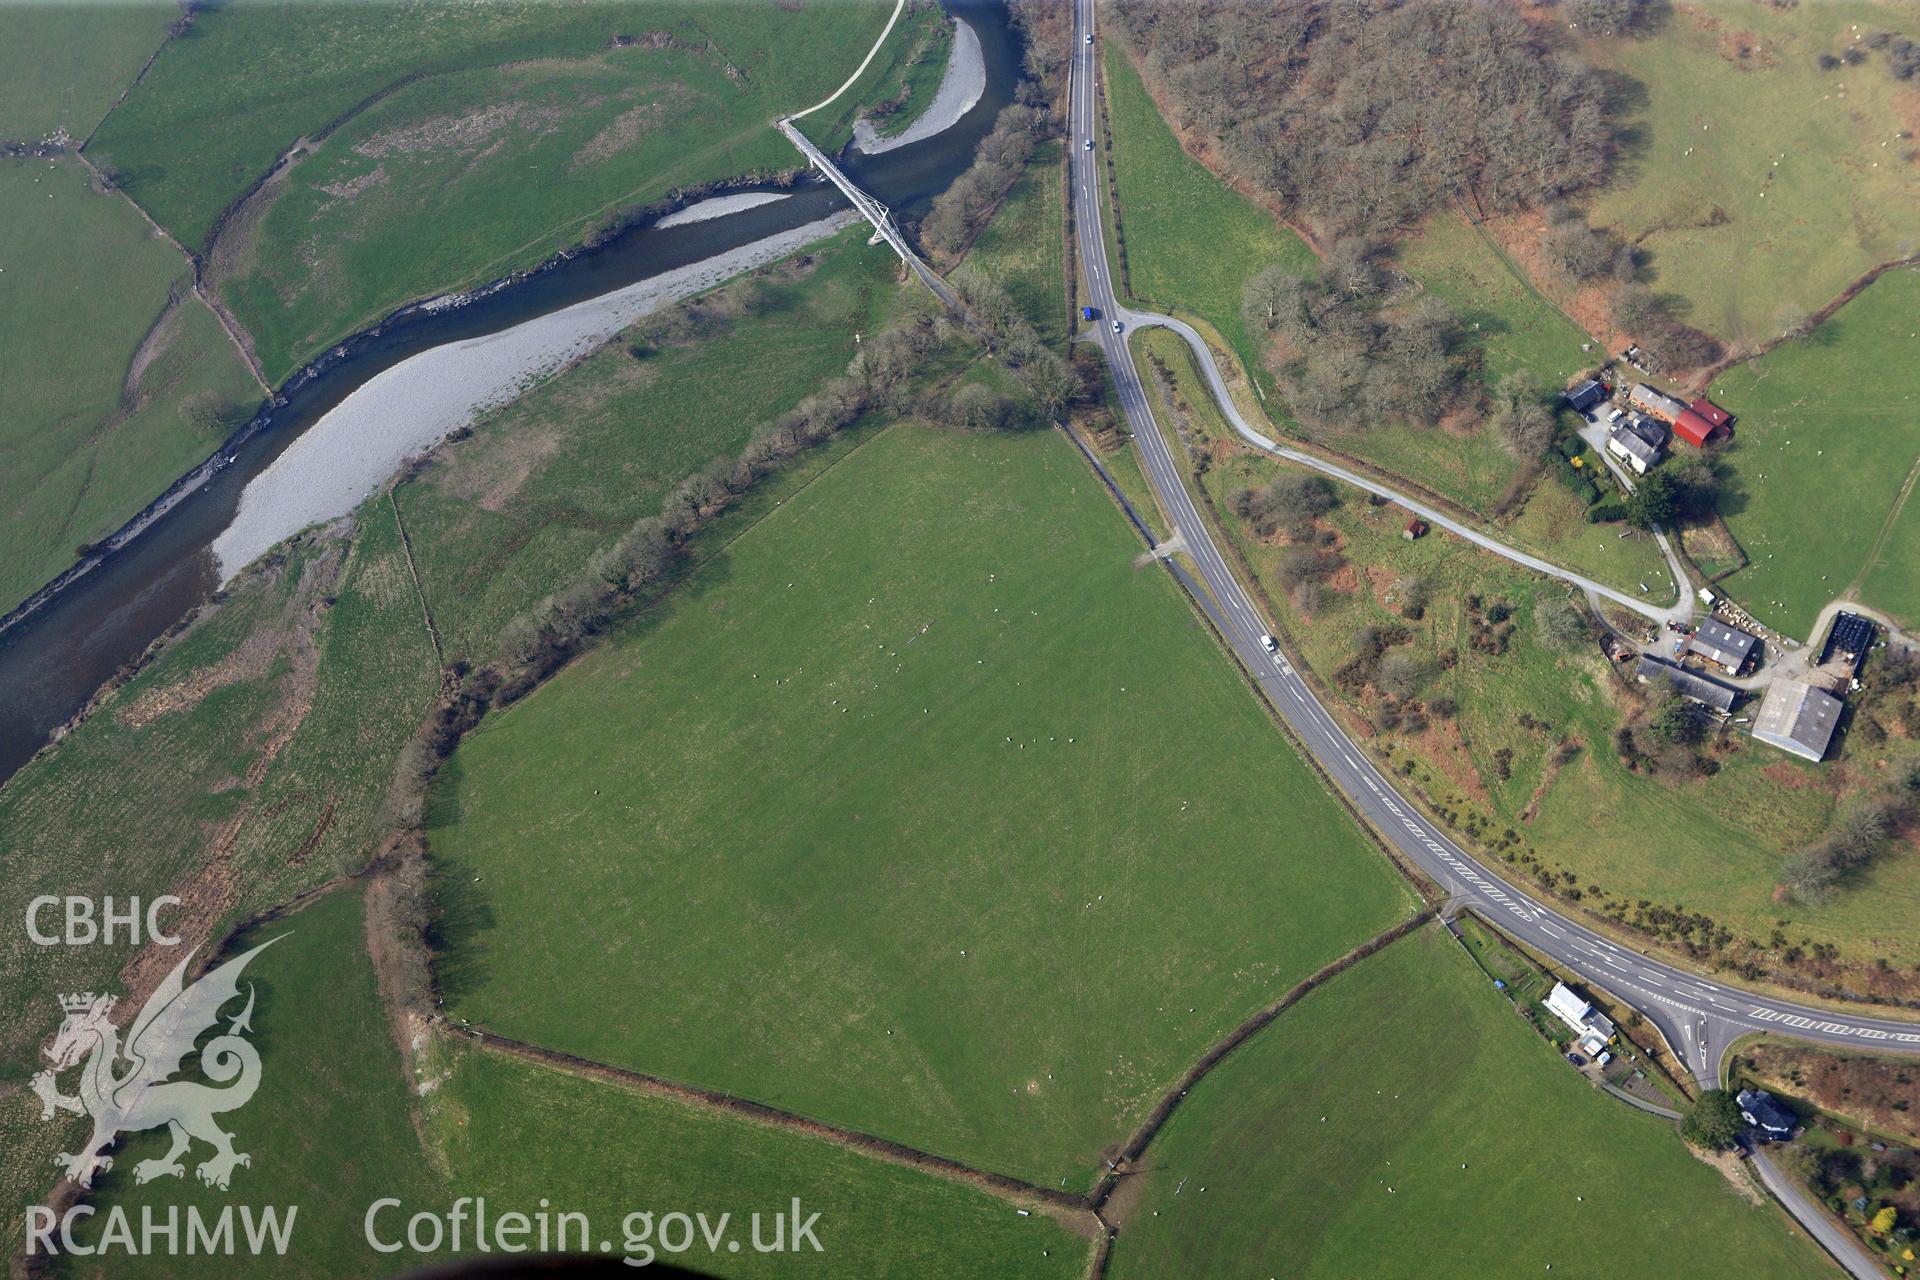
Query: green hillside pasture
1401,1116
63,65
1759,184
329,1130
1023,245
1517,330
1824,452
111,394
921,811
216,110
524,1131
498,141
501,518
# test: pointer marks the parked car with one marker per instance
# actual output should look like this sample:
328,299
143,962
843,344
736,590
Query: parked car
1576,1060
1086,313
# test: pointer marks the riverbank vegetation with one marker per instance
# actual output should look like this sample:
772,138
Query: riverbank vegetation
330,173
118,379
1285,1158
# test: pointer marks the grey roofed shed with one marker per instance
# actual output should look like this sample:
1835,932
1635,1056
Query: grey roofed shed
1691,684
1723,644
1799,718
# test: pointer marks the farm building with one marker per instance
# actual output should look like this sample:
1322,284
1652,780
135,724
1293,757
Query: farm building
1416,528
1658,403
1796,717
1636,442
1694,429
1716,417
1849,640
1722,645
1690,684
1585,396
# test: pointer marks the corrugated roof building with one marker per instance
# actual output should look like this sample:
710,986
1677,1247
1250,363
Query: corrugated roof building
1796,717
1719,643
1690,684
1693,428
1713,413
1658,403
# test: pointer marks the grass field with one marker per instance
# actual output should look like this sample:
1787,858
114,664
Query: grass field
113,390
524,1131
499,518
901,62
927,57
1024,245
852,824
63,65
1829,426
1398,1113
1714,844
329,1129
1759,184
463,150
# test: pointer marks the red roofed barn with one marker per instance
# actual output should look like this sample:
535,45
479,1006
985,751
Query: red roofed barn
1713,413
1693,428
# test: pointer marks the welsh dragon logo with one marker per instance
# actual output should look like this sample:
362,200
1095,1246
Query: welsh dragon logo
129,1088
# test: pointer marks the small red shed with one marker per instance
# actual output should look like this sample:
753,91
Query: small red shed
1693,428
1415,528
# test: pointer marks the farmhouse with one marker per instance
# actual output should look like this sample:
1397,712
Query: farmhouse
1796,717
1694,429
1723,646
1703,689
1592,1027
1759,1109
1636,442
1585,396
1658,403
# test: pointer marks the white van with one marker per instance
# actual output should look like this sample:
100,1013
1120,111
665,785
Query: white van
1269,644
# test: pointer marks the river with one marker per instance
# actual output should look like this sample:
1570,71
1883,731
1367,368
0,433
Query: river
53,661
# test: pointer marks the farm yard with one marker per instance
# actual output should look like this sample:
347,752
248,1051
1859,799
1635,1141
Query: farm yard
1758,183
1367,1130
437,155
875,782
117,379
1822,462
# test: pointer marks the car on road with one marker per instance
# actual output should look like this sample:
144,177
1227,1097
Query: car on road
1086,313
1089,144
1269,644
1089,37
1116,326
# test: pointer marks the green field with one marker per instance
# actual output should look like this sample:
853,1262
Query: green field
329,1130
1192,242
902,62
1824,452
1023,246
927,55
1401,1115
63,65
113,390
1758,184
855,824
523,1131
501,518
463,150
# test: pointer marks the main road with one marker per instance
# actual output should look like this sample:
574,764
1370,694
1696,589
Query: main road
1698,1015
